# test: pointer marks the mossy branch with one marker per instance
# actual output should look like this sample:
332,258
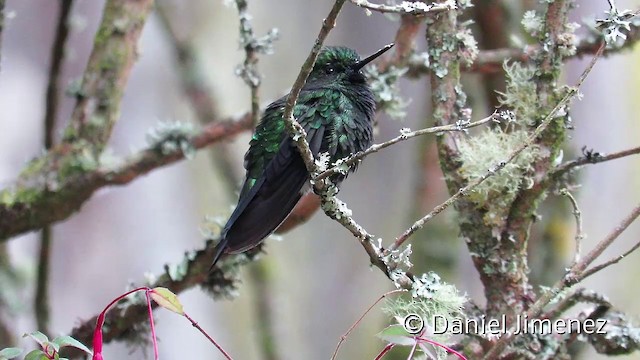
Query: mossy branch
24,207
113,55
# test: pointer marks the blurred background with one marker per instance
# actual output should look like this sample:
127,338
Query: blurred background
318,280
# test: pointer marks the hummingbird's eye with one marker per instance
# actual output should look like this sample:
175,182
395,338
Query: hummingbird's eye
329,69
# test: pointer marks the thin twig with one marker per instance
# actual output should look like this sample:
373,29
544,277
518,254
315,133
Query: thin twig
610,262
406,8
41,300
580,272
294,129
578,215
575,274
594,159
355,158
355,324
211,340
497,167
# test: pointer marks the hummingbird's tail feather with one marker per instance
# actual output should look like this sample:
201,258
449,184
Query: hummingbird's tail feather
274,195
218,251
272,202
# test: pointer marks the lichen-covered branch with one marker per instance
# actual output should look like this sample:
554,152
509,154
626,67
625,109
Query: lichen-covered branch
24,208
294,129
415,8
114,53
405,135
39,196
593,158
492,61
576,273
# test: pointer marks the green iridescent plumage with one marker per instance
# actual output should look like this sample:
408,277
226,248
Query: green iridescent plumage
336,109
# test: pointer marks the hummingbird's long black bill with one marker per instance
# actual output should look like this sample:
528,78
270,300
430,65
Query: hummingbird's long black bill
360,64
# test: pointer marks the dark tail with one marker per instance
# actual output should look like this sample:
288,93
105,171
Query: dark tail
268,203
218,251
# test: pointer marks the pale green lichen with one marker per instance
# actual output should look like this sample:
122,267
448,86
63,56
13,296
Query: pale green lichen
443,302
482,153
468,46
521,92
532,23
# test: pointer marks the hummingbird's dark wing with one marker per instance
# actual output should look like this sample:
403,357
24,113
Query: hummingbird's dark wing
276,174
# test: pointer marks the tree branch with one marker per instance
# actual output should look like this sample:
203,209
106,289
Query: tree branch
415,8
114,52
592,159
491,61
24,208
355,158
575,274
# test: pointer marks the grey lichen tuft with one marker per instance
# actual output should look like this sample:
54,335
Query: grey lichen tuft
431,298
170,137
480,154
468,46
620,336
533,23
521,92
385,88
614,25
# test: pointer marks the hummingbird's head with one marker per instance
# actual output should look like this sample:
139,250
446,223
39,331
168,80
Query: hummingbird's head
339,64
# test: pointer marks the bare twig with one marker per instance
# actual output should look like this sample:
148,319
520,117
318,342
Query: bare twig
605,243
355,158
407,7
561,169
41,303
352,327
578,215
150,159
575,274
211,340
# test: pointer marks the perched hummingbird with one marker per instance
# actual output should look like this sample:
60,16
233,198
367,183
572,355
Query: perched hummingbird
336,109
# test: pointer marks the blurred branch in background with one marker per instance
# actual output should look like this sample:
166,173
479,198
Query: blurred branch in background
58,48
24,207
39,196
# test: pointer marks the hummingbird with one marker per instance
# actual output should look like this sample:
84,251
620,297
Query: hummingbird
336,108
